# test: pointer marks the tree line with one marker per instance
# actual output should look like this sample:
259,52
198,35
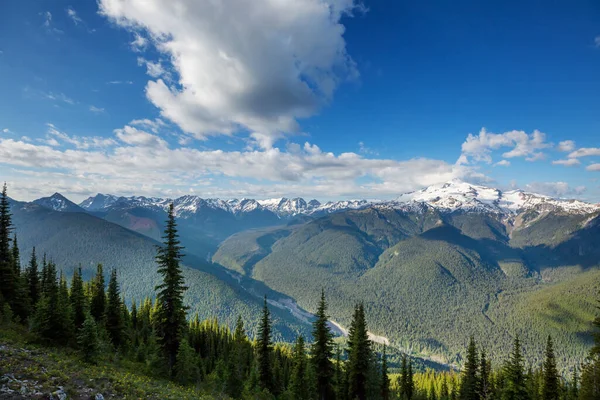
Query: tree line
93,318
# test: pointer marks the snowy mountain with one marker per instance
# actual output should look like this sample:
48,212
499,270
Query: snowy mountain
451,196
58,202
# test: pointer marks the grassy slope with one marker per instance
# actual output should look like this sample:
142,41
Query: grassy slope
54,367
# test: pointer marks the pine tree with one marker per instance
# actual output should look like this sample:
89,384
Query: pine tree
98,300
32,280
359,354
590,372
574,387
186,369
385,379
21,303
550,386
298,382
485,371
444,392
514,376
7,272
470,384
341,391
16,256
64,313
114,312
322,351
264,349
403,378
410,384
171,314
78,299
239,360
87,339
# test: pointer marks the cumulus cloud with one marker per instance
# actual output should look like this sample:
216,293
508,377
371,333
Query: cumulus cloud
503,163
566,146
479,147
96,110
570,162
585,152
555,189
141,162
241,66
56,137
154,69
593,167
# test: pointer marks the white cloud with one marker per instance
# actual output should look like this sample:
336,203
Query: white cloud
570,162
585,152
256,66
96,110
566,146
363,149
593,167
479,147
55,136
7,131
556,189
145,163
73,15
139,43
154,69
58,97
47,23
153,125
503,163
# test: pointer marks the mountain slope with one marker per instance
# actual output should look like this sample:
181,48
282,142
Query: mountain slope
58,202
72,239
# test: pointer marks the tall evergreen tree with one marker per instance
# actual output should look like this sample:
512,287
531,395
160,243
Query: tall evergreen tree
359,354
32,280
78,299
171,313
590,372
515,387
98,300
114,314
322,351
385,379
8,277
264,349
550,385
186,369
88,339
574,386
16,256
341,391
21,302
299,382
239,360
444,392
410,383
485,371
470,383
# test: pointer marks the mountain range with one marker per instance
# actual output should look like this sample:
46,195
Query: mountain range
428,265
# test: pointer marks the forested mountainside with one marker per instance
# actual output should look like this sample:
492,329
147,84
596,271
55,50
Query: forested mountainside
148,341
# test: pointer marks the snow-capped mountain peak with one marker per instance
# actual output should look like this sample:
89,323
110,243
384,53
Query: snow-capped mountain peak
58,202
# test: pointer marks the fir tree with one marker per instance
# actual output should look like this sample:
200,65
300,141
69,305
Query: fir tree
114,312
78,299
444,392
385,379
32,280
87,339
470,384
574,387
7,272
171,314
298,383
341,391
264,349
590,372
239,359
550,386
322,351
410,384
16,256
98,300
186,367
359,354
514,376
21,302
485,371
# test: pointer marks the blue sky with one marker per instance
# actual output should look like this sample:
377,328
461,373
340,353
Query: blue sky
315,98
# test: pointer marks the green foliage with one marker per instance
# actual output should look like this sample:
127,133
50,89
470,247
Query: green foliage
88,340
115,324
550,388
322,350
264,349
186,369
514,375
98,301
299,386
470,384
78,299
359,354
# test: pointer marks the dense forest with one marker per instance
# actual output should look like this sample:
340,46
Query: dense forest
92,317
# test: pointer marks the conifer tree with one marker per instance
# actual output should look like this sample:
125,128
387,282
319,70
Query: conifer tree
485,371
88,340
7,271
78,299
298,383
32,280
385,379
574,386
444,392
64,313
186,369
171,313
264,349
98,300
21,302
359,354
470,383
410,384
403,378
239,359
341,391
432,395
514,375
322,351
550,385
114,312
16,256
590,372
